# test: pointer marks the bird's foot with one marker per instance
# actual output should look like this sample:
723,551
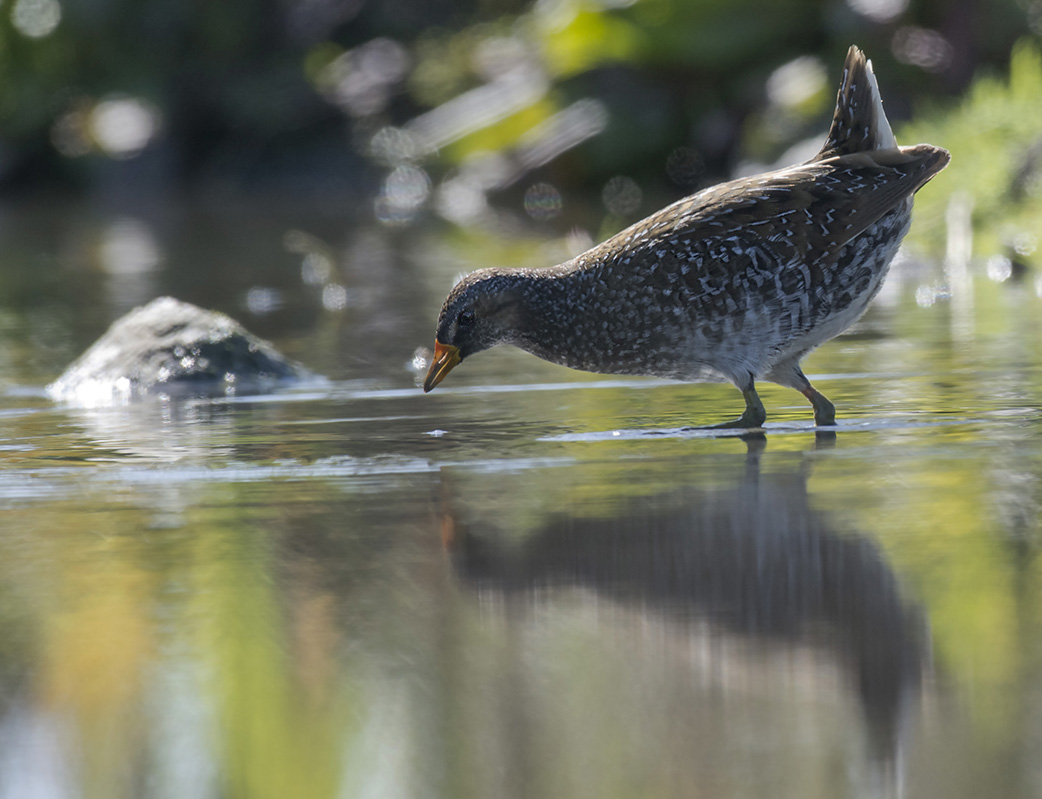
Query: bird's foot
745,422
824,411
751,419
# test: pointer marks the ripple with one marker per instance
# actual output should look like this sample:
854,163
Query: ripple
771,428
48,482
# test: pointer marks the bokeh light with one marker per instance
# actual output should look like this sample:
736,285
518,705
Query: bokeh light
796,82
999,268
70,133
622,196
261,300
123,126
315,269
1024,243
317,262
362,81
334,297
36,18
922,47
461,201
879,10
129,248
542,201
928,295
685,167
391,146
404,192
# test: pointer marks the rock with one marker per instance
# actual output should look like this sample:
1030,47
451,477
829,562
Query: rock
177,349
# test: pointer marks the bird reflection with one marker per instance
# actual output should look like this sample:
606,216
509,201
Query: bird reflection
754,558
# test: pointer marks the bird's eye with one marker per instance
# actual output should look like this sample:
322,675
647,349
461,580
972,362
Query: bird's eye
465,318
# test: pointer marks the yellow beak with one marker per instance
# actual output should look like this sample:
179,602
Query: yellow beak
445,358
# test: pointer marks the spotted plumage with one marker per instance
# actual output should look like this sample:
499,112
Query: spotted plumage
735,283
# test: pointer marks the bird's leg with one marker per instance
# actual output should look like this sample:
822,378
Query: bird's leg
824,411
792,376
753,416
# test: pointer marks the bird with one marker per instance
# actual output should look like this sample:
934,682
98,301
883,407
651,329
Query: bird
736,283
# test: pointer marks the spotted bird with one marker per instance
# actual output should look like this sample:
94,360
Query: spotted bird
735,283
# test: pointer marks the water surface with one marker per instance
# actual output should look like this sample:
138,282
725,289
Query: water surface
528,583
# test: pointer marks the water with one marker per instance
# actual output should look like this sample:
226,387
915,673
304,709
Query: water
528,583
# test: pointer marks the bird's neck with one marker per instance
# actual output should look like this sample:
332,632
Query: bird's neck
549,308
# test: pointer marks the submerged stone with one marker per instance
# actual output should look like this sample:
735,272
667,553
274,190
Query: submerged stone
178,349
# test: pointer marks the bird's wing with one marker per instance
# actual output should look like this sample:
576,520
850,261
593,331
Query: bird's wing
803,214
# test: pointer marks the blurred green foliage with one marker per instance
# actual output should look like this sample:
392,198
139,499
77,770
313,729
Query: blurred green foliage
995,138
286,98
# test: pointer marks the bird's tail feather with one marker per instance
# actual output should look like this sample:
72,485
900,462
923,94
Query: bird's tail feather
859,123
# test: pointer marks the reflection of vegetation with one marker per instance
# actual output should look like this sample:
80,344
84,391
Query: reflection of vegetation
282,717
211,650
307,633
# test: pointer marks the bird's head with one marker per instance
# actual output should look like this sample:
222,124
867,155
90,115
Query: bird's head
481,311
